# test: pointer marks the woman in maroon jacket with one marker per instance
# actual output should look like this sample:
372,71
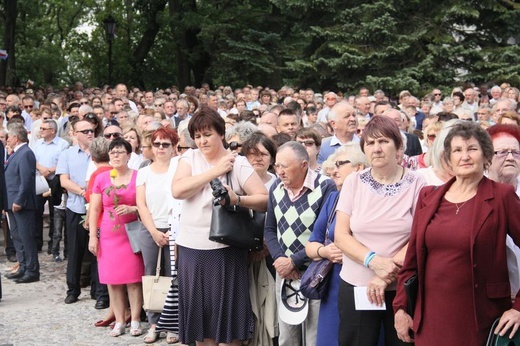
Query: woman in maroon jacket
458,250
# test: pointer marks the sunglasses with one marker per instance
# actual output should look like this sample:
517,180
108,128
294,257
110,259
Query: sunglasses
158,105
164,145
307,142
114,135
431,137
114,113
234,146
84,103
28,106
86,132
179,148
338,164
437,94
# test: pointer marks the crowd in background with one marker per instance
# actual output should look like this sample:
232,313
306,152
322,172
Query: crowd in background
298,154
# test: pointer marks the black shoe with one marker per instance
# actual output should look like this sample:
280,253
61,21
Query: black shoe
16,275
49,251
12,258
57,259
71,299
27,279
101,304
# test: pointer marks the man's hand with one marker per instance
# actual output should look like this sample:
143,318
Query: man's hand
16,208
285,268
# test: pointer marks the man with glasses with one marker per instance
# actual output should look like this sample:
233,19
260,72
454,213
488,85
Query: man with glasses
47,150
72,168
436,102
111,132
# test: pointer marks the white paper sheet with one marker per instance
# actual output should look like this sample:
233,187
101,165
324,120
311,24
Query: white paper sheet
362,302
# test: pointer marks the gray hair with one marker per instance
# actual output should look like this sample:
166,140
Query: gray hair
298,149
436,150
18,129
52,124
99,150
188,141
243,130
354,153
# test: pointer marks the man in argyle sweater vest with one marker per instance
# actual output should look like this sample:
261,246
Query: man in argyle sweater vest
295,200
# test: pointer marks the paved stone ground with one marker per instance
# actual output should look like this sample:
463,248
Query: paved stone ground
35,314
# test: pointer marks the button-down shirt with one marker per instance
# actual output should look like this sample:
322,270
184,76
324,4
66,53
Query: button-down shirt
308,184
47,154
74,162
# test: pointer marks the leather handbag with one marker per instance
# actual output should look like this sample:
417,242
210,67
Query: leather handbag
315,280
237,226
133,229
497,340
155,288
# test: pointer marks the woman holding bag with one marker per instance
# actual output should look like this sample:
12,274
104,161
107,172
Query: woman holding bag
154,210
223,307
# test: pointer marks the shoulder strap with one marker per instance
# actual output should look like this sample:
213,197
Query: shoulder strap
332,215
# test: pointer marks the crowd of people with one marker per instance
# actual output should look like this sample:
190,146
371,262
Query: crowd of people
386,189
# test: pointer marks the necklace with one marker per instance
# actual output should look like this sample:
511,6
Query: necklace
458,208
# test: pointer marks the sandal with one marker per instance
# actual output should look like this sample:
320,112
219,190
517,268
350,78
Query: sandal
119,329
172,338
135,328
151,336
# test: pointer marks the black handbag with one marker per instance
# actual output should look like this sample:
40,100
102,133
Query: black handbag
237,226
411,287
315,280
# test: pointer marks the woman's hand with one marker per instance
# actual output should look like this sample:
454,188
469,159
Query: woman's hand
93,245
160,238
225,164
376,291
385,268
510,318
332,252
124,209
403,323
233,198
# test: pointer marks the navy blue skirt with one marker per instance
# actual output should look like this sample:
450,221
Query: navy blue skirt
214,298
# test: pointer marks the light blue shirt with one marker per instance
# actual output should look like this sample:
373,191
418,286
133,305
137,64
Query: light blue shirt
329,146
47,154
74,162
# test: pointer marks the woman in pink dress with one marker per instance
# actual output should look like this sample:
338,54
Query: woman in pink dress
113,195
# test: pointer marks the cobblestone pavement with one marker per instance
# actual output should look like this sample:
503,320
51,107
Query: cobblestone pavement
35,314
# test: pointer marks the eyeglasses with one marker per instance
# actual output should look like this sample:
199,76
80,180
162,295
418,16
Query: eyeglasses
44,129
159,104
179,148
3,104
505,152
307,142
28,106
331,99
432,137
164,145
145,147
234,146
467,119
84,103
86,132
338,164
114,135
114,113
117,152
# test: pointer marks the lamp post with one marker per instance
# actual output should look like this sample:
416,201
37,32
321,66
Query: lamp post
110,30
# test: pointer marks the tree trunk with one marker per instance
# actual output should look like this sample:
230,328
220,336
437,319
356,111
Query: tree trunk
8,67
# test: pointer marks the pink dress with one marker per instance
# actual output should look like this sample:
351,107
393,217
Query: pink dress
116,261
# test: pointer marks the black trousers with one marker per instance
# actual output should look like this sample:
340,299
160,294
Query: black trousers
362,327
77,243
40,204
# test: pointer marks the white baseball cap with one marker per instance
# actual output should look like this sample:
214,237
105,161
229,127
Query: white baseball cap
293,307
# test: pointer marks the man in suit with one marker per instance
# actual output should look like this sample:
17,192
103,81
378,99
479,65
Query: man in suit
21,204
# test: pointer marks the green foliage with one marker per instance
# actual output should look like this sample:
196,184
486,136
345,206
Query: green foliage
322,44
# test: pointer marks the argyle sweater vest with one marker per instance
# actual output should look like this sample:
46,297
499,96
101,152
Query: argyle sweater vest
295,220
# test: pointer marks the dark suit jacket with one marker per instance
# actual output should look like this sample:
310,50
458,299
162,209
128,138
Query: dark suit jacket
496,215
413,146
3,190
20,174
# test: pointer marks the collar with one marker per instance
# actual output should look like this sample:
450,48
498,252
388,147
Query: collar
335,140
18,147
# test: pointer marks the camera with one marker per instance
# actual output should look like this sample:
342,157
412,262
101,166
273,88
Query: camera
219,192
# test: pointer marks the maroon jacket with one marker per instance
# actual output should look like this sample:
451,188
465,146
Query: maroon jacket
497,211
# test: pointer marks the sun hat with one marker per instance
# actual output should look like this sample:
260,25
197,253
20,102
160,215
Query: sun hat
294,305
